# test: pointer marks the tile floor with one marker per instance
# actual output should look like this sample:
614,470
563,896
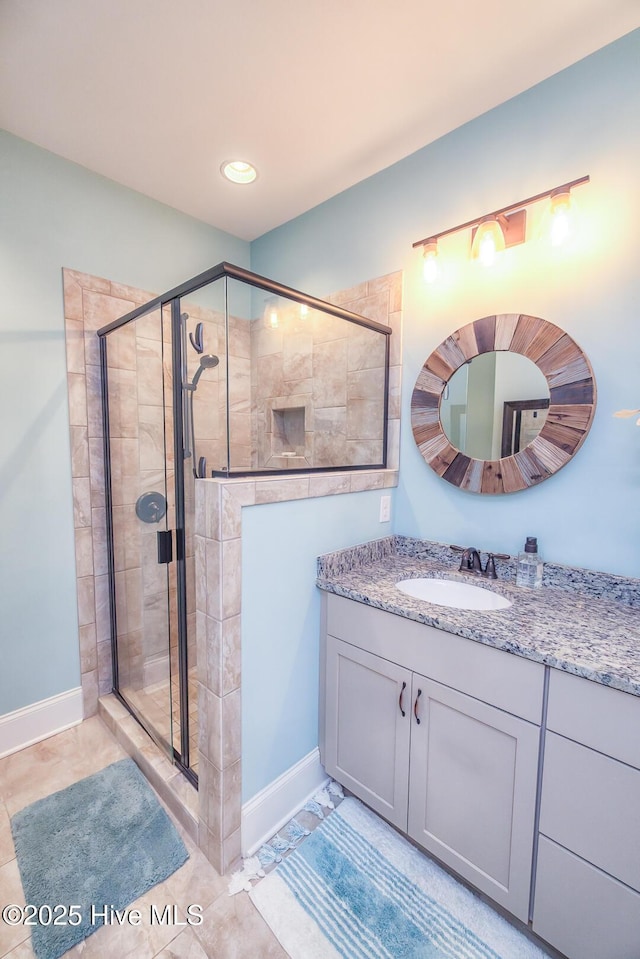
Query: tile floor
232,927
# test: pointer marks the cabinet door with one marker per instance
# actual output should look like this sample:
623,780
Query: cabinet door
472,790
366,735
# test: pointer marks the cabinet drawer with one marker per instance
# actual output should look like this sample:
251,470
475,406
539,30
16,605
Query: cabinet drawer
605,719
496,677
581,911
591,805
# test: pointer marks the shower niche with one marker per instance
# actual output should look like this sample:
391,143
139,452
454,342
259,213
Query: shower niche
229,374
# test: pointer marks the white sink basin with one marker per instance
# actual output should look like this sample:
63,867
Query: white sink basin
450,592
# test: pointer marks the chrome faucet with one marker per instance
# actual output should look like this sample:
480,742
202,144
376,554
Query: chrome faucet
471,562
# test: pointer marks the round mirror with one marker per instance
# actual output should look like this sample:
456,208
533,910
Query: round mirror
494,405
503,403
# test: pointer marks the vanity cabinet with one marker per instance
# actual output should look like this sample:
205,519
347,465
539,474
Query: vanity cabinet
440,735
587,893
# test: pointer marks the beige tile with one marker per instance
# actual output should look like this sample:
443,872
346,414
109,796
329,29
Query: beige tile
195,882
367,480
91,348
101,307
96,470
213,592
231,729
364,452
231,586
94,402
330,484
395,391
76,385
7,851
184,946
88,652
274,491
234,929
346,298
79,451
330,373
72,295
105,677
86,600
90,691
231,654
10,893
365,421
210,736
131,941
84,551
81,502
74,337
23,951
102,618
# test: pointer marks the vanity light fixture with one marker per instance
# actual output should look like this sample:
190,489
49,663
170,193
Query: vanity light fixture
238,171
506,227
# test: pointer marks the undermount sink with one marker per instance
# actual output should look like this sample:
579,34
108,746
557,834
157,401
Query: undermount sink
452,593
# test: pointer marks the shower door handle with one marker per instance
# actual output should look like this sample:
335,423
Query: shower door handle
165,546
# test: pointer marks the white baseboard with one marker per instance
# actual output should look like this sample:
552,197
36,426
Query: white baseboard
278,802
34,723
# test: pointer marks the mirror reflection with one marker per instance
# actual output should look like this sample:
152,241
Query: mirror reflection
494,405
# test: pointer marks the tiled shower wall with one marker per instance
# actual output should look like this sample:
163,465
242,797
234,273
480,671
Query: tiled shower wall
317,387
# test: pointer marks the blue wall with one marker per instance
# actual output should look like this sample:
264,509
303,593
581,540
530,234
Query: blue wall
56,214
280,622
585,120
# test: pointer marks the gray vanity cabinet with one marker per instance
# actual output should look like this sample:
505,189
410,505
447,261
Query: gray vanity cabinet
366,733
587,893
440,735
472,791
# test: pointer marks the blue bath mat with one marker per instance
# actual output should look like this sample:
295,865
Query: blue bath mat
104,841
355,889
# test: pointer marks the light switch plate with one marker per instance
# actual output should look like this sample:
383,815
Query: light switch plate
385,509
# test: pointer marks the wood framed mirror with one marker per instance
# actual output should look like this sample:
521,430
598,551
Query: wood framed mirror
449,421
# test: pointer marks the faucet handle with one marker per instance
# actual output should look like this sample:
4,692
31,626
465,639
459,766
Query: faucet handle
490,568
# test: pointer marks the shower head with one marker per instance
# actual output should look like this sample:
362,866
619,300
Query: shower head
207,362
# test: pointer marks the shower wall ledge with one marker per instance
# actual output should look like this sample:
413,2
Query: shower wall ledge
218,545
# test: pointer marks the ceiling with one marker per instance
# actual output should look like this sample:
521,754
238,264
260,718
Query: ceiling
318,94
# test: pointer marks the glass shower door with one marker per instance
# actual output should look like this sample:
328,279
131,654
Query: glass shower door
140,422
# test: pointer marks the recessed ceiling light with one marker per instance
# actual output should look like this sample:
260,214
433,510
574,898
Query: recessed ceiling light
238,171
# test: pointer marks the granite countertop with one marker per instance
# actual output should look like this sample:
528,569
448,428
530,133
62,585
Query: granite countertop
580,621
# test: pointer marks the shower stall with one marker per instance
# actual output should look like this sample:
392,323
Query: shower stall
230,374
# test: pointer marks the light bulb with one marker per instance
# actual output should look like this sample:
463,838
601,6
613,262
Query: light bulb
488,240
430,267
304,311
238,171
560,217
273,318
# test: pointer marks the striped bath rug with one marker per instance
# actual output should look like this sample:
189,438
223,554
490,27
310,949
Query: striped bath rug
356,889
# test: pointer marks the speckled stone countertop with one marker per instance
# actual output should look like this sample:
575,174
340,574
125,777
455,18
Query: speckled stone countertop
580,621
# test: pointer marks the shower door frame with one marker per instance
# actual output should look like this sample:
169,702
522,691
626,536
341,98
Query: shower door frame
180,757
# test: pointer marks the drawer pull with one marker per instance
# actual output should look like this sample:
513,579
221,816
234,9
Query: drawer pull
404,686
415,707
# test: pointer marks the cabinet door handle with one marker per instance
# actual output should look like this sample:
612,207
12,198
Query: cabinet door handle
415,707
404,686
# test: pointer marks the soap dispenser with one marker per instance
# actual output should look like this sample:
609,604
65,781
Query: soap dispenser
529,572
